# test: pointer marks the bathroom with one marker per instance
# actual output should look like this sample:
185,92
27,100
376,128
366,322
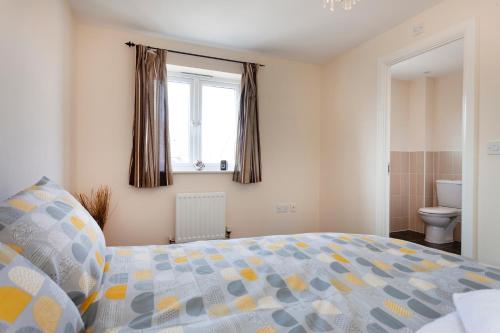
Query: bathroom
426,148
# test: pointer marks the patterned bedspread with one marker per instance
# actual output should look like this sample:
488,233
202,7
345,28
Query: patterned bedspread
301,283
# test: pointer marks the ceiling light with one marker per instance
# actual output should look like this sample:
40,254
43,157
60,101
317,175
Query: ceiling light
346,4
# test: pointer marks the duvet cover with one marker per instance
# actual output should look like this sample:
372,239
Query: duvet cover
302,283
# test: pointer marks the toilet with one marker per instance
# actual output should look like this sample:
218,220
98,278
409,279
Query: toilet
441,221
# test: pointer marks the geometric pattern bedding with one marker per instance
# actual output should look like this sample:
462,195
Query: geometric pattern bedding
300,283
30,302
55,233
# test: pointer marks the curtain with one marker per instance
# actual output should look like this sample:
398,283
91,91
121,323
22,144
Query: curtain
150,164
248,167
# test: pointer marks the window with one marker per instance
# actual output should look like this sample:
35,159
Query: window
203,119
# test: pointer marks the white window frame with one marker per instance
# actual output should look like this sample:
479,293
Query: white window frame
197,82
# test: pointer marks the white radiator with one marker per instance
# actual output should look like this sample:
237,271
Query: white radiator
200,216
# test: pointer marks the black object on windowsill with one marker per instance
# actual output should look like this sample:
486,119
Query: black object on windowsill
223,165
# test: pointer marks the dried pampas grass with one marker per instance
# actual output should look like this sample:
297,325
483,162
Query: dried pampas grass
97,204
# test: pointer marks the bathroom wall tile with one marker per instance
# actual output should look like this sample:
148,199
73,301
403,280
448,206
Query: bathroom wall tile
395,184
449,176
439,156
414,206
420,163
436,163
428,201
405,184
429,162
413,185
420,184
405,162
413,162
434,175
457,162
429,188
421,201
440,162
399,224
402,225
411,215
395,206
416,224
394,224
411,222
444,176
445,162
400,191
420,225
405,206
405,223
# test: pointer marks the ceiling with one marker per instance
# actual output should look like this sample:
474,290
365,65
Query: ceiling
293,29
437,62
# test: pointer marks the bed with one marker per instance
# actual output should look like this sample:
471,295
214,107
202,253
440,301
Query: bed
301,283
321,282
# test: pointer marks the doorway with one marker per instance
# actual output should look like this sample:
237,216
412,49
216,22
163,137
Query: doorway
426,148
423,142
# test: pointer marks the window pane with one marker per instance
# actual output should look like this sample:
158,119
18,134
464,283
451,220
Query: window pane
179,105
219,121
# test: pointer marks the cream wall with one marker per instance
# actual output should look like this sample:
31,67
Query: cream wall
289,121
409,114
400,103
426,113
348,132
419,96
446,116
35,94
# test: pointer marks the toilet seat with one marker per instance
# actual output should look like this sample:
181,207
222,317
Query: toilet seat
441,211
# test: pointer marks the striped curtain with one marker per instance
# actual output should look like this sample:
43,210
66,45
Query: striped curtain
150,164
248,167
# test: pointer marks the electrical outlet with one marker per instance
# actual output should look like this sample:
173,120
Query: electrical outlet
293,207
418,30
281,208
494,148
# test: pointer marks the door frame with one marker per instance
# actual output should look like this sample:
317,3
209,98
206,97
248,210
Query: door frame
467,32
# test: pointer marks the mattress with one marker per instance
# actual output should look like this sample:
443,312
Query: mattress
302,283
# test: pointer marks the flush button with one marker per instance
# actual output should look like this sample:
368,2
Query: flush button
494,148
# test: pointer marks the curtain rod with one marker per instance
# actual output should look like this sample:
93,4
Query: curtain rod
131,44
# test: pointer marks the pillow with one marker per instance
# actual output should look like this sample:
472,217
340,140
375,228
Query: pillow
30,300
51,229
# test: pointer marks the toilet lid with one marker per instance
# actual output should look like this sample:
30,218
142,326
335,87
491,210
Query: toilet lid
440,210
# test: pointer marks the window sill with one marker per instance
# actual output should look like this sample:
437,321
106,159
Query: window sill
201,172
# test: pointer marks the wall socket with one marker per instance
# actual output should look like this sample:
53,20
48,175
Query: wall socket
285,208
418,30
494,148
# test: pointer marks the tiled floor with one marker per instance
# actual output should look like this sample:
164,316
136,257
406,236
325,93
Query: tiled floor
419,238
